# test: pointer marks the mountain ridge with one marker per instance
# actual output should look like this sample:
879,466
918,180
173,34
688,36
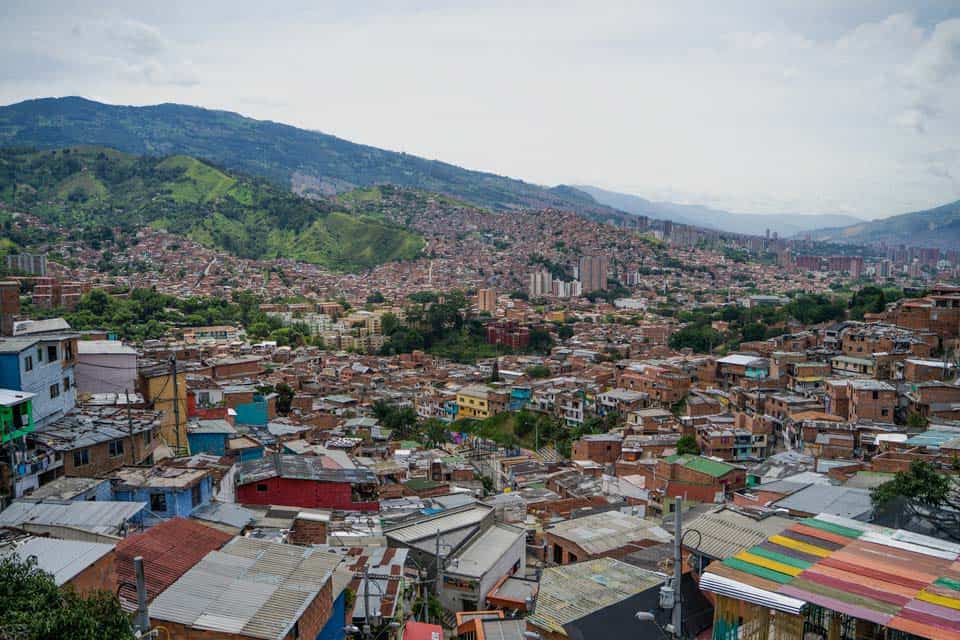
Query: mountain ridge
310,162
719,219
934,227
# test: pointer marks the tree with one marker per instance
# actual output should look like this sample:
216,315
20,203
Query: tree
285,395
538,371
565,332
687,445
927,494
376,298
34,608
699,338
540,340
753,331
435,433
495,372
916,421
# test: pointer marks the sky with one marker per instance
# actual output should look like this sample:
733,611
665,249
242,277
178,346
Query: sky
765,106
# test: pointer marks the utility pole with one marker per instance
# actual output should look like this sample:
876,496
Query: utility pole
142,619
677,619
133,442
366,603
436,587
176,400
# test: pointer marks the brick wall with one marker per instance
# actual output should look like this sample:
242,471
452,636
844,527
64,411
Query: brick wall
308,531
601,451
100,576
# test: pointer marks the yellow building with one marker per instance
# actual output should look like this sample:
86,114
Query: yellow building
157,387
472,402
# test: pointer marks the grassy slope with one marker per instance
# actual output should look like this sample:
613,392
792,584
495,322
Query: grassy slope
90,186
938,227
267,149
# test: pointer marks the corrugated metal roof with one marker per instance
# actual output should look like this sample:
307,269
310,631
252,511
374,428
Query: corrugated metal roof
726,532
486,550
63,559
226,513
503,629
100,517
169,550
573,591
444,522
300,467
252,587
842,501
603,532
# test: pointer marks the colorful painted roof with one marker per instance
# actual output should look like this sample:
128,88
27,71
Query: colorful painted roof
894,578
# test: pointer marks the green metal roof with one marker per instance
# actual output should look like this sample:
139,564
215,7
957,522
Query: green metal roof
710,467
418,484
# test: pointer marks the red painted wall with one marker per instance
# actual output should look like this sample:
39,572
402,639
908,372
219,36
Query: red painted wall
303,493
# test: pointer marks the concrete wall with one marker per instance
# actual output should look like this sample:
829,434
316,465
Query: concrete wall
106,373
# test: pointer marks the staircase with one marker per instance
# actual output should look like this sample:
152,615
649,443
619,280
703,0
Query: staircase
547,455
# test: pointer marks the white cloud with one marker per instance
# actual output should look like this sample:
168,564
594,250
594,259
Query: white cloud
772,106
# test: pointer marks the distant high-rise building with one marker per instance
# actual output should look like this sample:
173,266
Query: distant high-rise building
593,273
487,300
541,284
29,263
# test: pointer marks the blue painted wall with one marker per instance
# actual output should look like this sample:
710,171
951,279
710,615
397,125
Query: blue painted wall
333,630
253,413
179,502
214,443
10,371
251,454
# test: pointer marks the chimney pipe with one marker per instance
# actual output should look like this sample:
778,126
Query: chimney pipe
142,621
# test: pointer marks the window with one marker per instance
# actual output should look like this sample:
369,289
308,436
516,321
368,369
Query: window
158,502
116,448
876,395
147,437
883,412
68,350
262,488
39,354
28,363
66,384
81,457
52,353
196,497
54,390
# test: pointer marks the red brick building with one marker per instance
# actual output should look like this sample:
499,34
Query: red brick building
304,481
508,334
600,448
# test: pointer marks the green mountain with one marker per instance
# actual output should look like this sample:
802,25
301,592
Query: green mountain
937,227
95,187
307,161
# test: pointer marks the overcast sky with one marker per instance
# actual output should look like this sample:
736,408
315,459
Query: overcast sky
763,106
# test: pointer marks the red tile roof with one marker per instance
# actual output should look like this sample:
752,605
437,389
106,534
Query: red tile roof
169,550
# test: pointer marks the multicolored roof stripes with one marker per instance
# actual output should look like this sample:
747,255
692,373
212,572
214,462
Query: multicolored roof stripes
894,578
